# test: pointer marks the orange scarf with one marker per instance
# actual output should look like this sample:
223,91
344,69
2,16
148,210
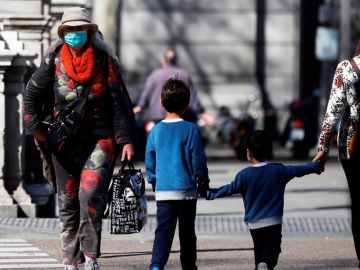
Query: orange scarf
78,69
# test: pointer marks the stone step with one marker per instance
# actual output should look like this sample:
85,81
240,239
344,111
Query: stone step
7,206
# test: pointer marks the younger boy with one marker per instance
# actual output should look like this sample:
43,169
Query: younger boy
262,187
175,162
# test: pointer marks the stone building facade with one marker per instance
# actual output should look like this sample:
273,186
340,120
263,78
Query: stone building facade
216,42
26,30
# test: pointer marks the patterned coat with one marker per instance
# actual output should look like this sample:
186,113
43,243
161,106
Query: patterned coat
109,104
109,108
343,107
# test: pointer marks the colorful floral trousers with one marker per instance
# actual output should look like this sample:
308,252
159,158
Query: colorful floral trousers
82,175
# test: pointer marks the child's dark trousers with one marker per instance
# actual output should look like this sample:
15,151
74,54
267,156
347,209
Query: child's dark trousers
167,215
267,242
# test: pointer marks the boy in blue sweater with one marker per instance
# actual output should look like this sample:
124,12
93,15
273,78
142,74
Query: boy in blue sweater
262,187
176,168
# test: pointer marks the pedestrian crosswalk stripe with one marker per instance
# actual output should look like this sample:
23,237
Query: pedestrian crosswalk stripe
38,260
15,245
12,241
16,254
19,254
28,266
18,249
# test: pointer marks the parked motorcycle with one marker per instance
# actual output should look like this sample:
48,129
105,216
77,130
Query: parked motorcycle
233,131
296,134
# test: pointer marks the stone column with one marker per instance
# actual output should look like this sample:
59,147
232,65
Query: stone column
26,25
32,31
14,63
7,207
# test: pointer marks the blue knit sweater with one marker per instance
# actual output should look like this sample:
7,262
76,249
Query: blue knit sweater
262,187
174,159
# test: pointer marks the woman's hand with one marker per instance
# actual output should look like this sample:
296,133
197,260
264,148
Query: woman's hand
321,156
40,136
127,152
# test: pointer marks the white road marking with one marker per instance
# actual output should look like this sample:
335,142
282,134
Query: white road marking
18,254
12,241
15,245
28,266
25,254
19,249
38,260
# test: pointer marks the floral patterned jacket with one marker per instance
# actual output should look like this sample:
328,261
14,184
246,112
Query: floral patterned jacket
343,107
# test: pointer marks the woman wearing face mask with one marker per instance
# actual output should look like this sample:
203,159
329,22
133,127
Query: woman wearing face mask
81,62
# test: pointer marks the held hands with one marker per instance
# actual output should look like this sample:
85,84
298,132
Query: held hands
202,187
211,194
321,157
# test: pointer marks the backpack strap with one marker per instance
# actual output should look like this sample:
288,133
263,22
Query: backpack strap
354,143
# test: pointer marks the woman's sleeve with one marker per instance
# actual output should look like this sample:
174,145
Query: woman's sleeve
36,95
335,108
123,119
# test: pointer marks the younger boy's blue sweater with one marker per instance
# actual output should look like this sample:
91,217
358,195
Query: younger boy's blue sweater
262,187
174,159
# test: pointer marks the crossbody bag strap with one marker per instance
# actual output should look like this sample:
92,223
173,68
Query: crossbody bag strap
357,71
79,103
82,98
355,67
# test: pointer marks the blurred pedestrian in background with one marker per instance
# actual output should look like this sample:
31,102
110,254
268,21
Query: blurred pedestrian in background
344,108
176,168
150,97
81,63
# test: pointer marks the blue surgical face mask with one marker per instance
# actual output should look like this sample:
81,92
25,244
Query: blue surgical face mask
75,39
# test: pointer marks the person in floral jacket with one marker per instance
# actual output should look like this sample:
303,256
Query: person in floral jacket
81,61
344,108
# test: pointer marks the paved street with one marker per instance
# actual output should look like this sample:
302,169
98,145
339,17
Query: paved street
316,233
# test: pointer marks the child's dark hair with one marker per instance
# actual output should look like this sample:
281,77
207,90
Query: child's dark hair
175,96
260,144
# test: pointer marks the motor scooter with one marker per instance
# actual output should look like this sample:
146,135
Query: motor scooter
294,135
233,131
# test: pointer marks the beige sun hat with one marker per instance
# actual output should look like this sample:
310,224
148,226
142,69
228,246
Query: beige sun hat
76,16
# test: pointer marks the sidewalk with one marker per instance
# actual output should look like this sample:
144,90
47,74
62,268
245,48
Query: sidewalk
215,252
225,152
316,229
